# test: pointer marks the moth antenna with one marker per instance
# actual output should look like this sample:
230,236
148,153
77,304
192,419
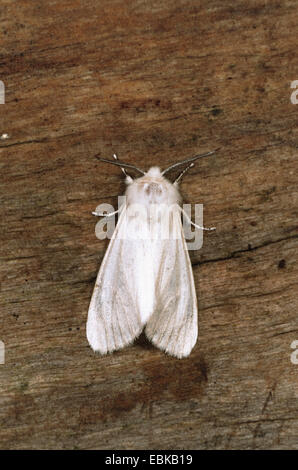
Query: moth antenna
123,170
127,165
188,160
183,173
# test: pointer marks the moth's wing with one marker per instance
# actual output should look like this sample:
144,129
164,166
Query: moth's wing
173,326
114,320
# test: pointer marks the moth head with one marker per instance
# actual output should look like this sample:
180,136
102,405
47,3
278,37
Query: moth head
152,188
154,173
153,185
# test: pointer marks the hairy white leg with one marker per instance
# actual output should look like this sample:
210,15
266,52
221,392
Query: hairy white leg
195,225
106,215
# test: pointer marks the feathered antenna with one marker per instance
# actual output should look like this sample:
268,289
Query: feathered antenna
123,169
127,165
189,160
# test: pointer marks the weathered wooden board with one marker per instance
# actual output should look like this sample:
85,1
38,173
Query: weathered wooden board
155,82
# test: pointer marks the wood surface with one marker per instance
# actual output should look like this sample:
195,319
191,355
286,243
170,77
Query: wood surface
155,82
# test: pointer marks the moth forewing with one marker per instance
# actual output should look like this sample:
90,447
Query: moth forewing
173,325
113,316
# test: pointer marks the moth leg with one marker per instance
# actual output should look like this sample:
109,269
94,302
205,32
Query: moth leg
192,223
107,215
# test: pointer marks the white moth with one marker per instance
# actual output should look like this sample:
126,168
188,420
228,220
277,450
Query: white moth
146,281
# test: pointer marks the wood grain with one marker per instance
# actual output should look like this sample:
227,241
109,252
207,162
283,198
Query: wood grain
155,82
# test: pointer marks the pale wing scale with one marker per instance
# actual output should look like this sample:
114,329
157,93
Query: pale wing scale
114,319
173,325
